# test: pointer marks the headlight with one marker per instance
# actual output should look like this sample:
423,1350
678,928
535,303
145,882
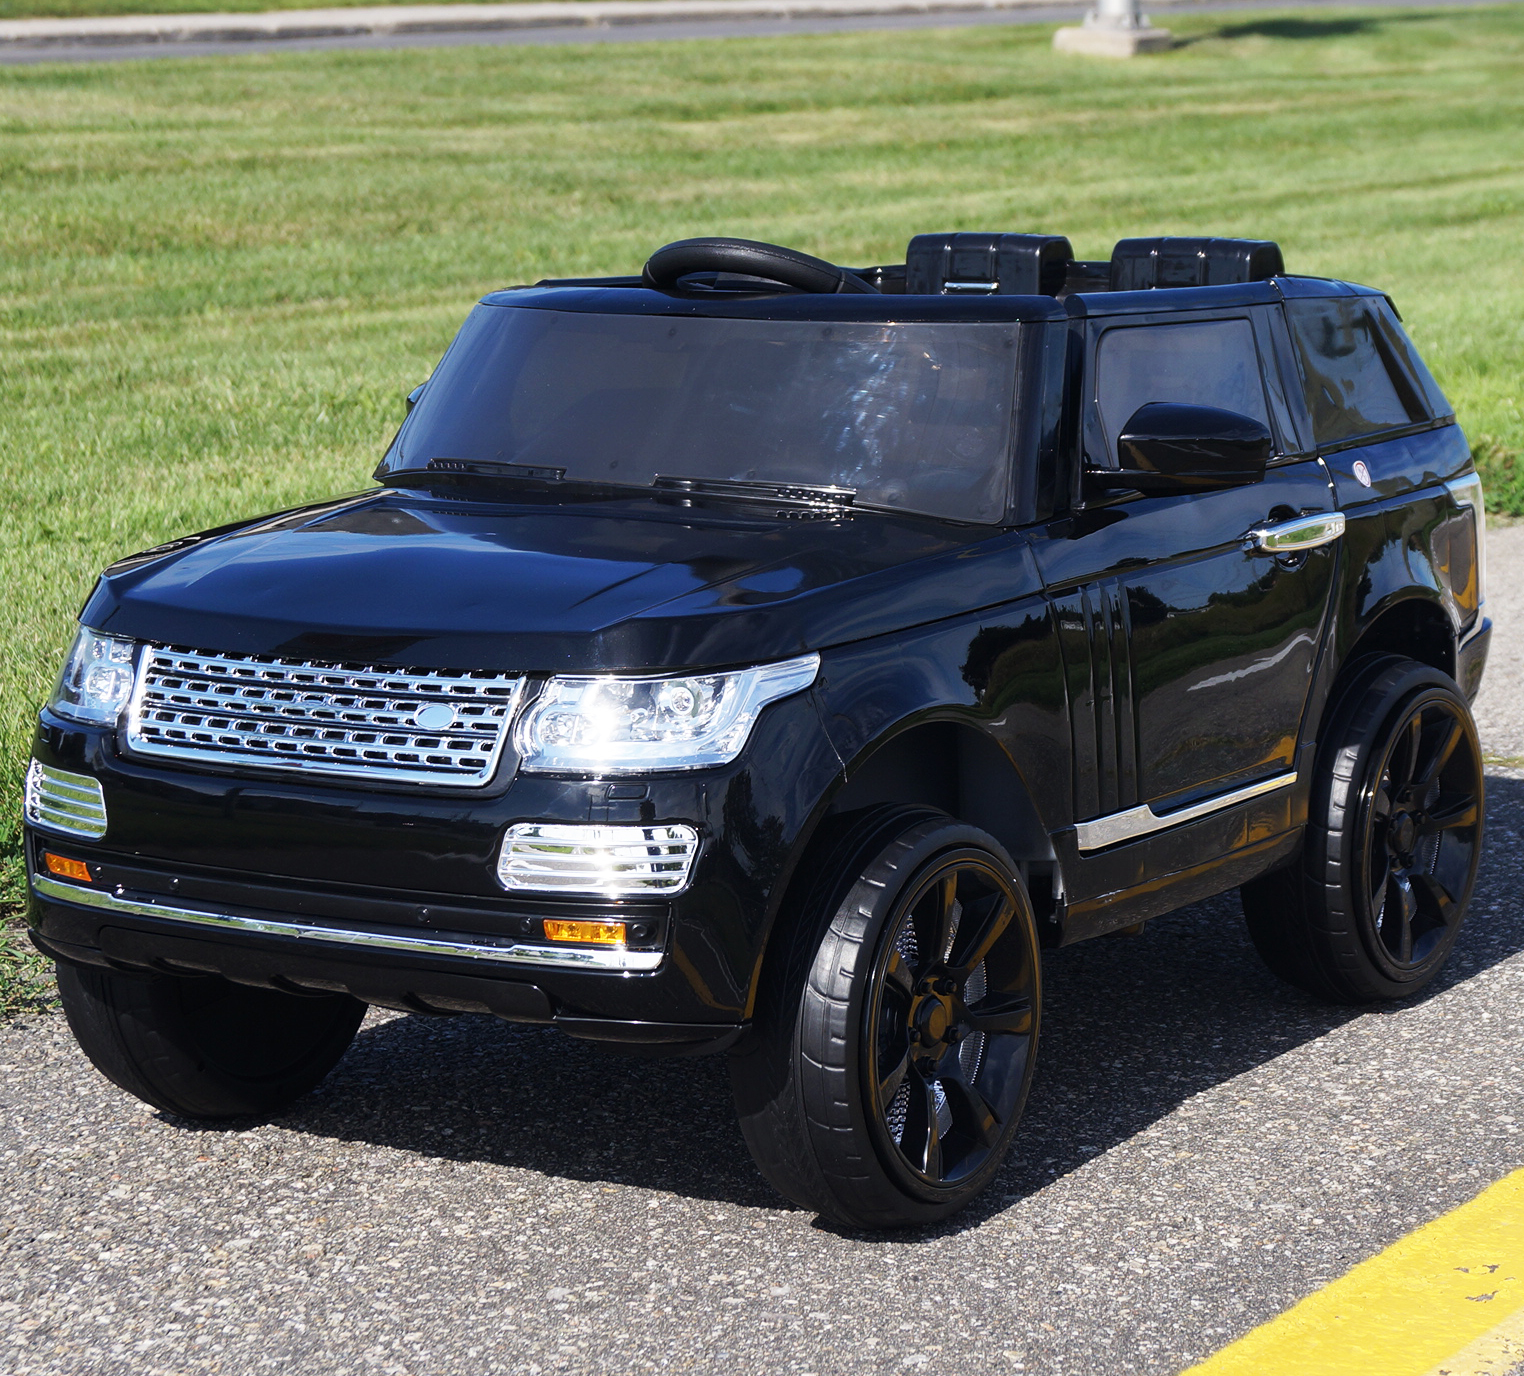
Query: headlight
643,725
96,683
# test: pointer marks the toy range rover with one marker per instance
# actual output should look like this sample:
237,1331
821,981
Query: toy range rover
763,657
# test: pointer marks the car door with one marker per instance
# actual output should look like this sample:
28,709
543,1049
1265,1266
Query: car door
1401,467
1189,647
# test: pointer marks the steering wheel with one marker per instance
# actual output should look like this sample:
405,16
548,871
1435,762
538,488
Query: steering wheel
745,257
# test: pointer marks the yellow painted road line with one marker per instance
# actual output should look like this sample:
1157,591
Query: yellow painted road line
1497,1352
1446,1300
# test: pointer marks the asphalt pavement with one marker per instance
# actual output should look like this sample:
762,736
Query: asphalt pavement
240,44
1204,1146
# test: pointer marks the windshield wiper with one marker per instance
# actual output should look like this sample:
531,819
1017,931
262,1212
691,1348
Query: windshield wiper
805,497
820,497
495,468
535,477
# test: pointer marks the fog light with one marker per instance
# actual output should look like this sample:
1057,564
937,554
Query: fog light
63,801
65,868
600,933
612,862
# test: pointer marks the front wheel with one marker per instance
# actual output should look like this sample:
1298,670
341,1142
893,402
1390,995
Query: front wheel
894,1052
205,1047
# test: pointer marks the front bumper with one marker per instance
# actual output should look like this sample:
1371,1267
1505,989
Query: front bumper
393,896
443,972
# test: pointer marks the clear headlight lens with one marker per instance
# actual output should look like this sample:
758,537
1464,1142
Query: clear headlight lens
645,725
97,679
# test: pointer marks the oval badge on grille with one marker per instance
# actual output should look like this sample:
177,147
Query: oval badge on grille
434,716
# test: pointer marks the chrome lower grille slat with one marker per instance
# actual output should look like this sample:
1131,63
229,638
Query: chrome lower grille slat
612,861
424,726
61,801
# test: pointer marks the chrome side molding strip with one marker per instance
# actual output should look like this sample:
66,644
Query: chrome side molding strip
141,905
1289,537
1117,827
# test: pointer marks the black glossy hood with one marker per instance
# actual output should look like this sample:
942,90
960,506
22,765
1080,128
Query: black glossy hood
413,578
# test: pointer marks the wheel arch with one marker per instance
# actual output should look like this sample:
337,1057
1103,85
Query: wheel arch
956,768
1412,626
918,724
930,761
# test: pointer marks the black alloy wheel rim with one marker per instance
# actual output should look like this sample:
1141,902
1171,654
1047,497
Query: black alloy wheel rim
1422,835
949,1021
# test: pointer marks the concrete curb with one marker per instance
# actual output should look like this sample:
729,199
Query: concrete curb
401,19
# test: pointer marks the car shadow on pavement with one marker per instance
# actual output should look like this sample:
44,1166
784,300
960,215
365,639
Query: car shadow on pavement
1133,1027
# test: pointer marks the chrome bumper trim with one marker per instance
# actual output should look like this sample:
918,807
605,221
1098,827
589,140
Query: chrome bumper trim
141,905
1117,827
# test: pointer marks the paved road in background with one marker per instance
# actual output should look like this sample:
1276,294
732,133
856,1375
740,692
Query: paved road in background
667,32
1204,1146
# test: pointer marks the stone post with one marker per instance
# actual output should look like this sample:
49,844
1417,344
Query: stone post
1114,28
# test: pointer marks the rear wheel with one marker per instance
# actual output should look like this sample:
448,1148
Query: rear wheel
1394,837
892,1062
205,1047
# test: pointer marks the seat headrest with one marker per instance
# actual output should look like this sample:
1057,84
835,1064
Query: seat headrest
1139,264
986,264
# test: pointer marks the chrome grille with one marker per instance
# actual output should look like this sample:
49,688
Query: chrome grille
427,726
62,801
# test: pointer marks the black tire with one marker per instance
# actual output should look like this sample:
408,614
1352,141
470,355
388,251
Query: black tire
1394,836
205,1047
666,268
894,1043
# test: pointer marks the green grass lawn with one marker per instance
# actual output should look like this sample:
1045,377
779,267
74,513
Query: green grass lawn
219,277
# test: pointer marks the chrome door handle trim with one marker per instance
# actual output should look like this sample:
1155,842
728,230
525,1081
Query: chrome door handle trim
1290,537
1136,822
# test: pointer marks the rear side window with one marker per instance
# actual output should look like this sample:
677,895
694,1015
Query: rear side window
1209,363
1407,359
1355,385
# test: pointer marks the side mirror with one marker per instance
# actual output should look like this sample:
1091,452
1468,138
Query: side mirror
412,397
1167,447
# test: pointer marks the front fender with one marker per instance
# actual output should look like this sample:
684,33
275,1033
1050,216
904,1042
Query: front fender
997,675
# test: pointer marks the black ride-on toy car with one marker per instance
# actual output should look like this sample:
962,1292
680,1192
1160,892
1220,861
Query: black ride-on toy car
761,657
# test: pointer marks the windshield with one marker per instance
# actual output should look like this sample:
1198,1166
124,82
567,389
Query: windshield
909,416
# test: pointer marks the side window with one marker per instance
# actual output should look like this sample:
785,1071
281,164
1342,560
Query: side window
1354,384
1210,363
1406,356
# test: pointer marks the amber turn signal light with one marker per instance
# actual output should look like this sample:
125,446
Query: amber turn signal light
602,933
65,868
